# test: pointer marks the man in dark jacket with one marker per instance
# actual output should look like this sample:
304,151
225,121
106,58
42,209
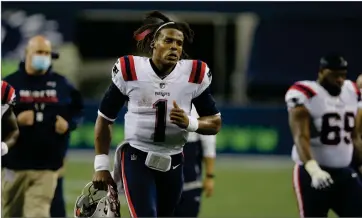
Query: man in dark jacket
48,108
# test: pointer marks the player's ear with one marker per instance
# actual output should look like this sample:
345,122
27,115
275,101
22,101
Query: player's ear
152,45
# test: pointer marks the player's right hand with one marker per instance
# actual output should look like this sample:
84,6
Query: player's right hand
103,178
320,178
26,118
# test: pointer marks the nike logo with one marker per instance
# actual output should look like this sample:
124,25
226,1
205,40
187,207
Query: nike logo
174,167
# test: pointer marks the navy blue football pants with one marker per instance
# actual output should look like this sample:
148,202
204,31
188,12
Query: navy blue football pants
344,196
57,208
189,205
356,163
150,193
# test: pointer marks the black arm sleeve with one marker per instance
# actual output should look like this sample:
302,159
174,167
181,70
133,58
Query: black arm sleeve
205,104
112,102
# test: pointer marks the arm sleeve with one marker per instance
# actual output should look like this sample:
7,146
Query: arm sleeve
205,104
111,103
208,142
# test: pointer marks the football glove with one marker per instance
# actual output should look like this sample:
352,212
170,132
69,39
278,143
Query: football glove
320,178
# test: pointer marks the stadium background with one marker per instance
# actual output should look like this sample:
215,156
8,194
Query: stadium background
255,50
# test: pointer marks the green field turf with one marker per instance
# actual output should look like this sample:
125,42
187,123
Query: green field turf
245,187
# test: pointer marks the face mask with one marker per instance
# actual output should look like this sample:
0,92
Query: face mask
40,62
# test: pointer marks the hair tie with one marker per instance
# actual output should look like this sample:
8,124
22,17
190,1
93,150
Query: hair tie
142,35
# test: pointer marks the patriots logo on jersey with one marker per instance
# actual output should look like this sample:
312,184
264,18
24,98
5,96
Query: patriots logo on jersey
115,70
209,74
294,102
162,85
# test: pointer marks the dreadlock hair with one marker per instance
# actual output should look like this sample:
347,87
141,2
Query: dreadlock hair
152,25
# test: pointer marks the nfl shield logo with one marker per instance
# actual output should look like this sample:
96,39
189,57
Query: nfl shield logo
162,85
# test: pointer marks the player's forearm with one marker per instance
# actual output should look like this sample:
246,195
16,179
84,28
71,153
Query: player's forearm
13,134
357,133
103,136
299,125
209,165
11,138
209,125
303,146
357,143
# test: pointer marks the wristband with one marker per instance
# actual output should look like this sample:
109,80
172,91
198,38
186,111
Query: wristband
101,162
4,148
193,124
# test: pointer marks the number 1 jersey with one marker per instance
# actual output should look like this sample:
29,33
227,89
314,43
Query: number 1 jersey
150,100
332,120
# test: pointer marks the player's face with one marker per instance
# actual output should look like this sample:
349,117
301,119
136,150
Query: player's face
168,46
333,79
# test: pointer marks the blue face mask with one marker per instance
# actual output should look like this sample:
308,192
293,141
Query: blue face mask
40,62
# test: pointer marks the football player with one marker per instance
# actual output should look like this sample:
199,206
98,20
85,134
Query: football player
356,161
159,92
322,116
8,118
198,149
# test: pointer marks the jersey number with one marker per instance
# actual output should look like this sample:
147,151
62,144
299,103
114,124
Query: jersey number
160,126
331,132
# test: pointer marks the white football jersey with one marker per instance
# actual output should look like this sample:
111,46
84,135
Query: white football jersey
147,121
7,97
332,120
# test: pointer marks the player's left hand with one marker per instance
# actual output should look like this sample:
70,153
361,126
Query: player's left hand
61,125
208,187
178,116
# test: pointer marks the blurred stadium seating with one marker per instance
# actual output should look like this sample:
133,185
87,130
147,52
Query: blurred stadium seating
255,50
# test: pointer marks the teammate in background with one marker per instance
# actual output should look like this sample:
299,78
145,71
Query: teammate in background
322,116
159,92
356,161
198,149
10,129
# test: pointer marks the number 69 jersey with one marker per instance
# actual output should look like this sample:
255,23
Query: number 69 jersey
332,120
150,100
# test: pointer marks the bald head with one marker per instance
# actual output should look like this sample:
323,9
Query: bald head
39,43
38,55
359,81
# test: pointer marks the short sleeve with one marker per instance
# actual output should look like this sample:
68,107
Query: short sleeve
205,78
117,77
298,95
